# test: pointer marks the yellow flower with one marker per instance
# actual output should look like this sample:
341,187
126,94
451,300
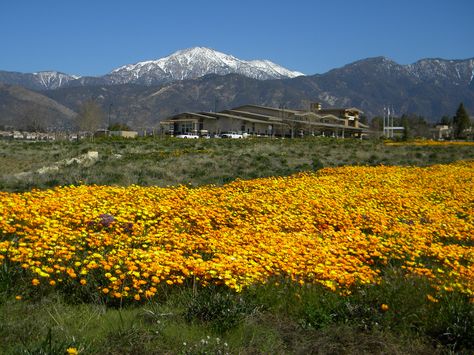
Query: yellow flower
337,228
72,351
431,299
384,307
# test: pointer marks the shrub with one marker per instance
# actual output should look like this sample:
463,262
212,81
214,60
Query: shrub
221,308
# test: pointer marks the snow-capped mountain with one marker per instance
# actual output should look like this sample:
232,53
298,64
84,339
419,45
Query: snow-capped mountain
458,72
53,79
199,61
431,88
439,71
43,80
196,62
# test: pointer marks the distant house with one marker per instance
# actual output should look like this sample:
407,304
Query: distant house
6,135
255,120
17,135
441,132
124,134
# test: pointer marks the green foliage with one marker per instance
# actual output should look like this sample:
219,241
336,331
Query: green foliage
316,164
165,162
406,129
206,345
376,123
49,346
446,120
451,322
221,308
461,122
118,127
415,126
280,316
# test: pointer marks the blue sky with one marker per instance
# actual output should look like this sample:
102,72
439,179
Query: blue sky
89,37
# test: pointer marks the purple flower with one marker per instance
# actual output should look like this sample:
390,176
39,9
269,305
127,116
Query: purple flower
105,220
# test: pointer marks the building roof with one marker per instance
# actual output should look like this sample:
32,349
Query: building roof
342,109
267,108
252,114
180,117
309,113
247,119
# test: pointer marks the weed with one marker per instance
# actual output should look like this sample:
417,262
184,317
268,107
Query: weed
50,346
221,308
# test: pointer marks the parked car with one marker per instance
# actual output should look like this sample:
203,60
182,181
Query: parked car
231,135
188,135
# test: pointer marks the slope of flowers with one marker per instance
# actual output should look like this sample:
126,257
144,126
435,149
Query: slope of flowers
430,143
338,227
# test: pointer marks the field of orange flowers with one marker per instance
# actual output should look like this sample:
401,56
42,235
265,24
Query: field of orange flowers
338,227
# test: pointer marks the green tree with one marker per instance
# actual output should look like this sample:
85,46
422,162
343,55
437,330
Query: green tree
417,125
90,116
446,121
406,128
376,123
461,122
119,127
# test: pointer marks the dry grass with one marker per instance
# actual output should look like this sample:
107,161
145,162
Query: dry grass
164,162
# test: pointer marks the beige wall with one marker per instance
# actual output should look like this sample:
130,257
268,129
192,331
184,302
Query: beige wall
125,134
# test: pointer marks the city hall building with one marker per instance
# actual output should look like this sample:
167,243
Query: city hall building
256,120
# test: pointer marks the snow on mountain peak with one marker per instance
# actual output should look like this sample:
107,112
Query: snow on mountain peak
196,62
457,72
52,79
279,70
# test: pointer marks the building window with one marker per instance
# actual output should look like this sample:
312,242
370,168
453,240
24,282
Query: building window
187,127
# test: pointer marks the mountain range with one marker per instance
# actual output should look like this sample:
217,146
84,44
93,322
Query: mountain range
185,64
199,78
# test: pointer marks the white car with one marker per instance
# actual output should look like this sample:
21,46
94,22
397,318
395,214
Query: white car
231,135
188,136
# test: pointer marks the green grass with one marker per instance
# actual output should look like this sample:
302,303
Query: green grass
271,318
164,162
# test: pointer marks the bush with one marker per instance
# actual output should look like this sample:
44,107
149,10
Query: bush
221,308
451,322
